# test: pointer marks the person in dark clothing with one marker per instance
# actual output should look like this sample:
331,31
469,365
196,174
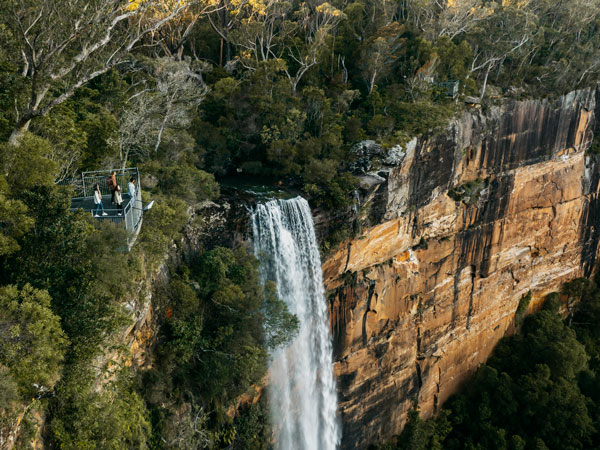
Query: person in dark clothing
111,182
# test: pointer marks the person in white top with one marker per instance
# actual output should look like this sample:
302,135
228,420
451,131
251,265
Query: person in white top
98,202
119,200
131,187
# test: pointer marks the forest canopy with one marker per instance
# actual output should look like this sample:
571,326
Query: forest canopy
278,89
194,93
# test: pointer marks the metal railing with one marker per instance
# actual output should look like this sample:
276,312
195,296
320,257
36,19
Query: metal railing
100,177
451,87
76,184
131,213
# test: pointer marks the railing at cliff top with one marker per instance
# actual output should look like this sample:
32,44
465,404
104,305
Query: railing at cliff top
90,179
131,214
450,87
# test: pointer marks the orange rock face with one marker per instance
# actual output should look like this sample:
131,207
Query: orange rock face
499,205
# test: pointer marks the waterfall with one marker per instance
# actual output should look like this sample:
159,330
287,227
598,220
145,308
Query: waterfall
302,393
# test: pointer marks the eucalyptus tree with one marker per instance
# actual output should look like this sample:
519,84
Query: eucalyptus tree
568,52
380,52
57,47
172,91
505,33
420,13
254,27
459,17
32,348
32,343
317,25
264,30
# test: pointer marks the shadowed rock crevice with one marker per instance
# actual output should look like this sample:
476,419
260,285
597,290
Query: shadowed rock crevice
501,203
590,221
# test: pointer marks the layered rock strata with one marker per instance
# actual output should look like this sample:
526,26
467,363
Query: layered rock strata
465,224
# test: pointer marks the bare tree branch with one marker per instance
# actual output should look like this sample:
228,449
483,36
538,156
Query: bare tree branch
62,49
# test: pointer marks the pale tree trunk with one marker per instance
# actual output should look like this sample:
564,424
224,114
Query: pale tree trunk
372,81
221,54
23,123
7,442
160,132
18,133
483,88
163,124
124,158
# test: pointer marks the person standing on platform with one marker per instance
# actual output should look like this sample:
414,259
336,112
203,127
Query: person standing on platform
98,202
111,182
131,188
119,200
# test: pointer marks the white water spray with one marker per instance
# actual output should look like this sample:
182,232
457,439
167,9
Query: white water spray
302,393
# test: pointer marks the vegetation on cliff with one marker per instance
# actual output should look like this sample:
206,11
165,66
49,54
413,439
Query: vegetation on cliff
213,348
539,390
64,282
191,92
270,88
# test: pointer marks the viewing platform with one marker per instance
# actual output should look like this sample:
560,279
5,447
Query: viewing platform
129,216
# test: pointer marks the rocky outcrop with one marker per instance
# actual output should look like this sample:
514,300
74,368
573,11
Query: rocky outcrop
469,221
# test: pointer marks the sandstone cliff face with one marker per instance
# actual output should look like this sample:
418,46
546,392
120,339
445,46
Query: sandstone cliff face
466,224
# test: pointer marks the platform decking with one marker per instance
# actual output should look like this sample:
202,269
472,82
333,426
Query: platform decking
131,213
87,204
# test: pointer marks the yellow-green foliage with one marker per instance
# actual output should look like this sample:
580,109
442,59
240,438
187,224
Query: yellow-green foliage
28,163
87,418
162,224
522,309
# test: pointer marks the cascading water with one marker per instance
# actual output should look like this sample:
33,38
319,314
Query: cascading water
302,391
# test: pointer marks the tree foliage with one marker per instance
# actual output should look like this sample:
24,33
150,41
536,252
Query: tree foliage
62,48
220,323
32,343
84,417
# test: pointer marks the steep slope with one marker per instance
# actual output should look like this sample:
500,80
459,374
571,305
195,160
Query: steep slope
461,228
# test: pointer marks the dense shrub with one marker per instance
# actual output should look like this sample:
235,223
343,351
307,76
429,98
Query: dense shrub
219,323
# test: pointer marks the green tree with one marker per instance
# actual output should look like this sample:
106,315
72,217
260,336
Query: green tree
80,266
58,50
27,164
380,52
535,391
220,324
32,343
14,221
83,417
424,435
